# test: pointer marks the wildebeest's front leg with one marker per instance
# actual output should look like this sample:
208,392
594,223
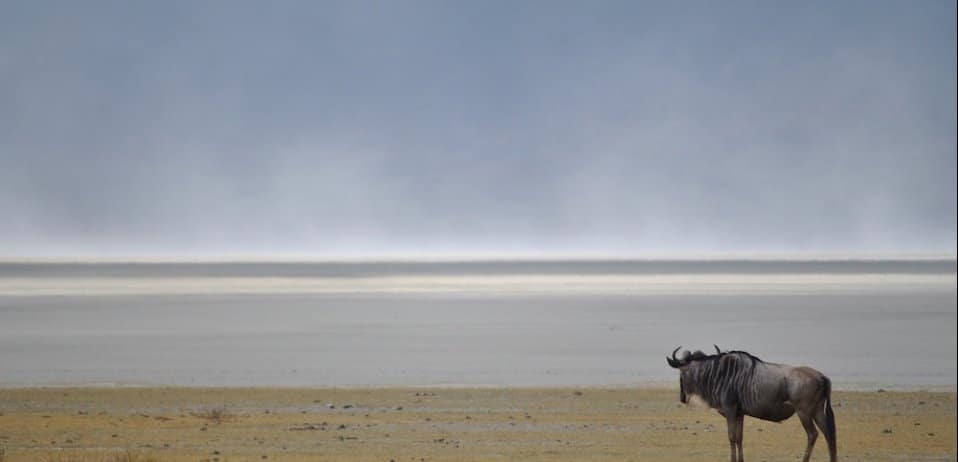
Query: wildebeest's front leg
735,423
740,430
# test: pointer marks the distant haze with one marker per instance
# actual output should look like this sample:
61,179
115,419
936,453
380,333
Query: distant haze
223,128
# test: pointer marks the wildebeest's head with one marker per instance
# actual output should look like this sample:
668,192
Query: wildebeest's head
686,386
678,363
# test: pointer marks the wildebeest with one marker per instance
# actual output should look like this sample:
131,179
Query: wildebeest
737,384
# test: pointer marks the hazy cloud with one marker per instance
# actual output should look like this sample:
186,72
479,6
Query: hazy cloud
327,128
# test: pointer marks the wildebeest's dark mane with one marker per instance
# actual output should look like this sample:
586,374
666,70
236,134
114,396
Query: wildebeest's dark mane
698,355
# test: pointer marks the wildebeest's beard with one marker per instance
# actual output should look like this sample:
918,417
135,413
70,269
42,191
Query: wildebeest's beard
682,397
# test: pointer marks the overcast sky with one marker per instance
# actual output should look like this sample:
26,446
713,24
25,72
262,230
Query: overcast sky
471,127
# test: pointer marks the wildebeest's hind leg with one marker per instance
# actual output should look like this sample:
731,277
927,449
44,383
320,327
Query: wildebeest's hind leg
812,434
825,418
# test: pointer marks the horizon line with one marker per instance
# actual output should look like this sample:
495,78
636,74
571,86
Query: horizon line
427,257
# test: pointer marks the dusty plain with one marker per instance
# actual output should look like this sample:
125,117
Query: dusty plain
443,424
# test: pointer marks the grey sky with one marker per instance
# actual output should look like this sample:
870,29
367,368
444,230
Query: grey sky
401,127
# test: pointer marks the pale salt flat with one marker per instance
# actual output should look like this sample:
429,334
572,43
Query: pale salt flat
868,326
479,284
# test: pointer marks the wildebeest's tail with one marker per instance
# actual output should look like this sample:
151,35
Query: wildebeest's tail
830,432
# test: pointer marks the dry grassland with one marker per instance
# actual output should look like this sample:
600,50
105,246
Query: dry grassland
442,424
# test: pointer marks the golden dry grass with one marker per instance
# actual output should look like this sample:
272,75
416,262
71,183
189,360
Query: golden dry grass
216,414
407,425
94,456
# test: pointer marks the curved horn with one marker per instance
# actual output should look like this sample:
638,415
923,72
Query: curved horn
673,361
676,351
717,349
